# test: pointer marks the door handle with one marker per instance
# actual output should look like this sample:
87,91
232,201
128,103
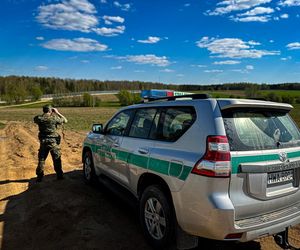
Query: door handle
116,145
143,151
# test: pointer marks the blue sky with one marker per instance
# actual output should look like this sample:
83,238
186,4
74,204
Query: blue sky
181,42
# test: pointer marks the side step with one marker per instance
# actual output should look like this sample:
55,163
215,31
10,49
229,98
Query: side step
119,191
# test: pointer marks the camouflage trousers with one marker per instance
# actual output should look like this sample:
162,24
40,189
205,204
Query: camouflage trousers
46,146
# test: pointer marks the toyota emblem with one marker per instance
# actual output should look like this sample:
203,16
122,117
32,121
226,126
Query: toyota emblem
283,156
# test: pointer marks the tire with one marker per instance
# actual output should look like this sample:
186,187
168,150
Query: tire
157,217
88,168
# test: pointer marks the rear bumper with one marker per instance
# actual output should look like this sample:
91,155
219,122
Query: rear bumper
213,216
269,224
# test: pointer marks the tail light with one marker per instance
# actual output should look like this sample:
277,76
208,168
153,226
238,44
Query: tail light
216,160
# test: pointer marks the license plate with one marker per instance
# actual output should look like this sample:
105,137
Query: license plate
280,177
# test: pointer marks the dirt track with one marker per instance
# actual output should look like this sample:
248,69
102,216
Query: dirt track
68,214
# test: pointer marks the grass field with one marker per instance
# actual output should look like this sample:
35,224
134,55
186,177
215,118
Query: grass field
78,118
226,94
241,93
294,93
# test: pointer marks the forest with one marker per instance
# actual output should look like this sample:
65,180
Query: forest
17,89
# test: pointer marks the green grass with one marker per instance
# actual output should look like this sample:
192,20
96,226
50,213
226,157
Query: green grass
80,119
295,113
2,125
294,93
33,105
223,93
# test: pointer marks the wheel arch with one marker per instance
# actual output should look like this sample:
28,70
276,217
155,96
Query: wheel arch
148,179
84,150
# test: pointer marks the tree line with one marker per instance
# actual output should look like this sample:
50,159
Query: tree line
17,89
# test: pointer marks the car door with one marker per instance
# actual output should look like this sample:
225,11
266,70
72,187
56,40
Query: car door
110,143
137,146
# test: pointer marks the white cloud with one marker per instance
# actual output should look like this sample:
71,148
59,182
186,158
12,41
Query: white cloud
103,1
116,68
147,59
253,43
41,68
246,70
285,58
187,5
293,46
110,19
271,41
180,75
258,11
110,31
167,70
284,16
40,38
151,39
262,19
85,61
125,7
246,10
228,6
77,15
228,62
77,44
68,15
213,71
199,65
232,48
290,3
239,70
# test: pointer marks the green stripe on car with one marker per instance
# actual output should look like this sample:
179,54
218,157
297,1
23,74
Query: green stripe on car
156,165
237,160
175,169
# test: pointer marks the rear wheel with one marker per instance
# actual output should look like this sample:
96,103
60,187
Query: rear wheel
157,217
88,168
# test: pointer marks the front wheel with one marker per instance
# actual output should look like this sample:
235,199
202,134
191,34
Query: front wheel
157,217
88,168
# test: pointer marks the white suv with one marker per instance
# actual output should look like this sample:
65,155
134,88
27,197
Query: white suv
225,169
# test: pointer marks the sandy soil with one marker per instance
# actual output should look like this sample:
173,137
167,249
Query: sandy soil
68,214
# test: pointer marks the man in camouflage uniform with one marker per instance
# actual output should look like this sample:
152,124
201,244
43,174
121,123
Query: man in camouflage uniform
49,140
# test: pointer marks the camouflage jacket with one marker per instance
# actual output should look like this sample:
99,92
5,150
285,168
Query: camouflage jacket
48,125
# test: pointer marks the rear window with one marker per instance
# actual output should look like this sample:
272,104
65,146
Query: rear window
260,129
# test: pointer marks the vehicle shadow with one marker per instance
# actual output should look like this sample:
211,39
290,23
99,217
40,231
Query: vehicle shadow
68,214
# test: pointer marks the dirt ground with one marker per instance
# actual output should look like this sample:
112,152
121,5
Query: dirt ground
69,214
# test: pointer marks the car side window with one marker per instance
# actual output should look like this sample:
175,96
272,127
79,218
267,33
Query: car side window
175,122
119,123
142,123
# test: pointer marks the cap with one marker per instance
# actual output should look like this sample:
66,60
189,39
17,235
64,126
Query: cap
47,108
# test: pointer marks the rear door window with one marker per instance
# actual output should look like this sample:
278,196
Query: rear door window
260,129
142,123
174,122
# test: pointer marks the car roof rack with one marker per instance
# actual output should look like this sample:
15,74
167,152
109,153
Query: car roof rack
173,98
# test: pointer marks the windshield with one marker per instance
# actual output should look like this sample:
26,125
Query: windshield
256,130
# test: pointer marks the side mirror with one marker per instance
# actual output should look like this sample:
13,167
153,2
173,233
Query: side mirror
97,128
